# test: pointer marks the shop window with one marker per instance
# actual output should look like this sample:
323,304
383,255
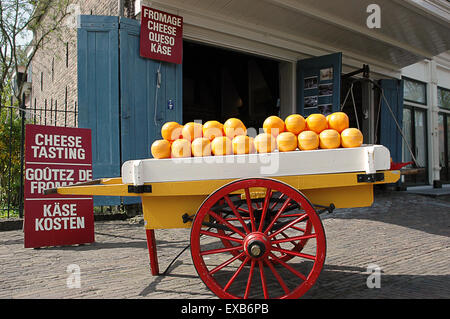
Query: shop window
415,91
443,98
444,146
415,133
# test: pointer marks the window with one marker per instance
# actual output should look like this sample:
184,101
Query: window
444,146
30,73
443,98
415,91
415,131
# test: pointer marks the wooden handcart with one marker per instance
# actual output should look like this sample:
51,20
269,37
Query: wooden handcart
254,219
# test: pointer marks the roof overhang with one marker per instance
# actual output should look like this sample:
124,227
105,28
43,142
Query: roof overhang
411,30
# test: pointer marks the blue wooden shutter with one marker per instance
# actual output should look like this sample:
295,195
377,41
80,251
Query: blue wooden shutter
389,133
118,95
145,107
313,82
98,94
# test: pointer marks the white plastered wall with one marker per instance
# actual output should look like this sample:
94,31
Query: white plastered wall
435,73
211,29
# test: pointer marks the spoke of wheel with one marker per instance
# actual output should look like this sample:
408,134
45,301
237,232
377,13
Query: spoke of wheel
277,275
226,263
294,206
217,235
292,239
220,250
249,280
263,279
298,228
231,232
242,210
223,221
285,204
288,267
236,274
264,210
295,221
235,212
276,202
235,218
238,206
278,245
292,215
290,252
250,208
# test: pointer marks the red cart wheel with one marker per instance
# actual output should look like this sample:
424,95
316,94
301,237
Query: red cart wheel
242,206
268,239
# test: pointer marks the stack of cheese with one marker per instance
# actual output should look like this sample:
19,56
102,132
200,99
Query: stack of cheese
294,133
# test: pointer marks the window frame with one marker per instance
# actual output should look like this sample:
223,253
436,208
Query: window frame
445,176
437,91
412,107
405,79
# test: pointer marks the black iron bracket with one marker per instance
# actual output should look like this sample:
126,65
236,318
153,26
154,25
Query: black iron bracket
139,189
329,209
187,218
365,70
370,178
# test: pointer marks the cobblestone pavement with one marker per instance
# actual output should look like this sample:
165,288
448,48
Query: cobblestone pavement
407,236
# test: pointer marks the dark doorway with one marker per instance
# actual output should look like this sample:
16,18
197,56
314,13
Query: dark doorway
353,102
219,84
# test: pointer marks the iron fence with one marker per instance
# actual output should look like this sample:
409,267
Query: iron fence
12,142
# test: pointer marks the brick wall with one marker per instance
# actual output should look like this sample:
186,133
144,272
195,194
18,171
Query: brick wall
54,68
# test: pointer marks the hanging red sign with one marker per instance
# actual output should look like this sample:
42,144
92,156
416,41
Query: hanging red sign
56,157
161,35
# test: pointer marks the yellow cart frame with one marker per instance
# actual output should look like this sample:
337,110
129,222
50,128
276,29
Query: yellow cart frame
165,203
265,210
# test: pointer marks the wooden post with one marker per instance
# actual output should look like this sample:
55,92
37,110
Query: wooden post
151,244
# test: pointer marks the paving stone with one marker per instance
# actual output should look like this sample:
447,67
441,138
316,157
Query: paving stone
406,235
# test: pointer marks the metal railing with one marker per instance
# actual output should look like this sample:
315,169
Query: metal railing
12,142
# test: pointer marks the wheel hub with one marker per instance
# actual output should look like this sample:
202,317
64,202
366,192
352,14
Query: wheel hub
256,245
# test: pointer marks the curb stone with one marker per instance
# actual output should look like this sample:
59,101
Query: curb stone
11,224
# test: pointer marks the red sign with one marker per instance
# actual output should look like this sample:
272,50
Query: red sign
161,36
56,157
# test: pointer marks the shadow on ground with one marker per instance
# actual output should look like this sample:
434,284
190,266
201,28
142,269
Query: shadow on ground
431,215
334,282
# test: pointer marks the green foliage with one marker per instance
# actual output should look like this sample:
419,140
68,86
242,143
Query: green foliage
10,144
24,27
